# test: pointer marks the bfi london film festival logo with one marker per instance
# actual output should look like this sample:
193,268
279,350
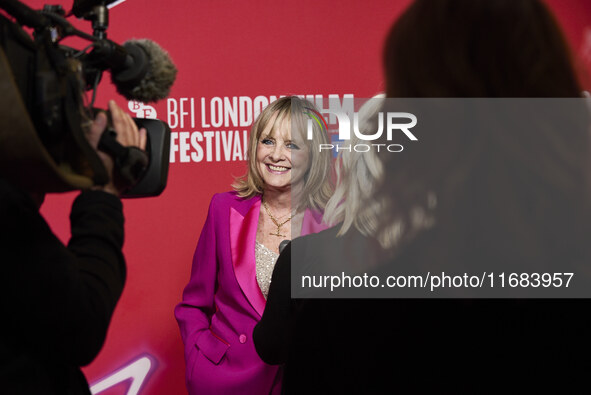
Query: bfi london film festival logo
142,110
345,130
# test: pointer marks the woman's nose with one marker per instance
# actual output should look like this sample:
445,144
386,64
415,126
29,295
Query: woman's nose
278,152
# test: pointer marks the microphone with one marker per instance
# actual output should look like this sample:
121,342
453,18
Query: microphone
147,73
282,245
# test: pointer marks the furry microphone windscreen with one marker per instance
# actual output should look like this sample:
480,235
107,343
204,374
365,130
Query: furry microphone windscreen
160,75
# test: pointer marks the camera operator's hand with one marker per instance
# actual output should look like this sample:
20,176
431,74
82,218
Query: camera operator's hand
127,135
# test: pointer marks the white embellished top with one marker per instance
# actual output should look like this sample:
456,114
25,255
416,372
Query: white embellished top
265,262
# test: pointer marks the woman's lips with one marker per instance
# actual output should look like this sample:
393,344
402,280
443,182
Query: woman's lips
277,169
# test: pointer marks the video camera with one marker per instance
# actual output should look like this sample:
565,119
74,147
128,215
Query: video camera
42,88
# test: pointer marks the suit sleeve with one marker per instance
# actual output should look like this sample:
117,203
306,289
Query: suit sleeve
61,299
194,312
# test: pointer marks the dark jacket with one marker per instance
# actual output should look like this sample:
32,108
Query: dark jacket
351,346
56,301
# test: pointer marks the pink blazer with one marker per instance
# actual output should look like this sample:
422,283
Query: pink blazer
223,302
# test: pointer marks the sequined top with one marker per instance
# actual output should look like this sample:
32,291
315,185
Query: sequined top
265,260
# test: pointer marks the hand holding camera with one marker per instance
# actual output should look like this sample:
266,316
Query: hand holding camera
127,135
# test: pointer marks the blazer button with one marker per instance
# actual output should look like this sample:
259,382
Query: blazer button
242,338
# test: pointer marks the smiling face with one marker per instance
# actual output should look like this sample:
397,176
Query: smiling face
282,160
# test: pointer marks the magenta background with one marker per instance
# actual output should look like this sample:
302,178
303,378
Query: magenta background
223,48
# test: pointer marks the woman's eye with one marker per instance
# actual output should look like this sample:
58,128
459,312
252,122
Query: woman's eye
292,146
267,141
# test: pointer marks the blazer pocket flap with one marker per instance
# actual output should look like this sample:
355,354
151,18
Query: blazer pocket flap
212,346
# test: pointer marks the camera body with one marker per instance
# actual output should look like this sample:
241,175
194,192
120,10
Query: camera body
46,84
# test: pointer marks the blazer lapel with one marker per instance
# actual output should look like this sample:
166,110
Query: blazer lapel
243,231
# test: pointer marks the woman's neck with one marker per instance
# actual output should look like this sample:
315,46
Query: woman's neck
277,200
282,200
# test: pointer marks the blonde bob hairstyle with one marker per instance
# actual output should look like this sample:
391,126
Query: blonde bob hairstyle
317,187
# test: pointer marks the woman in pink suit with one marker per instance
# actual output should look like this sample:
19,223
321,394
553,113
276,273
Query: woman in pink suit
282,196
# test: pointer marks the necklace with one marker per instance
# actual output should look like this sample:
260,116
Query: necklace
277,224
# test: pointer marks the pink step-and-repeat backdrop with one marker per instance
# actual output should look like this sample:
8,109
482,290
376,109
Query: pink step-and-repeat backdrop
233,57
